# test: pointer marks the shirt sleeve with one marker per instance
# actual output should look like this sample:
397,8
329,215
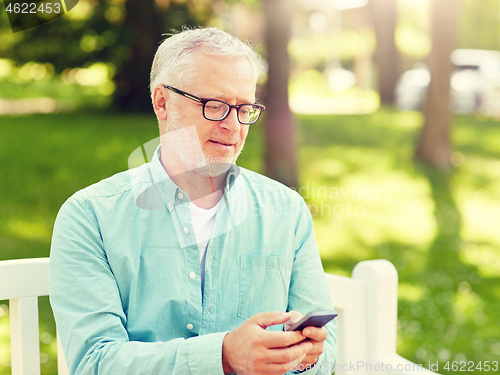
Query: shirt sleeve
308,290
90,318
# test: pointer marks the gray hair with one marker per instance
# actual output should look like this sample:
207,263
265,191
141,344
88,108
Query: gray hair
173,59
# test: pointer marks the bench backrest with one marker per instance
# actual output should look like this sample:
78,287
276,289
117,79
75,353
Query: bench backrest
366,303
22,282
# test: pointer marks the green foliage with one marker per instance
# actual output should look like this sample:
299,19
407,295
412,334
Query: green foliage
412,42
320,50
122,34
92,32
479,26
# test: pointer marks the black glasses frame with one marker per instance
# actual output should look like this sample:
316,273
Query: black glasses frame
204,101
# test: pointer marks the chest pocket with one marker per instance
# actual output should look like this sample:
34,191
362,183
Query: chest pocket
264,283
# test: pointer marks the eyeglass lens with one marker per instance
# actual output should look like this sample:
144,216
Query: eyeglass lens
215,110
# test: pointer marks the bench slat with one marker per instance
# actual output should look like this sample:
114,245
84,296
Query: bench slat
24,278
349,299
62,367
25,343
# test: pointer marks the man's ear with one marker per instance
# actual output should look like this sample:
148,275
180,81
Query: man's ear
160,102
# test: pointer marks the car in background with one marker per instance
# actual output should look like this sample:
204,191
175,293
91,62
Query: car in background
475,84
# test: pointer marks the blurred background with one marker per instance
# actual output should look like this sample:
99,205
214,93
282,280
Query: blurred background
383,114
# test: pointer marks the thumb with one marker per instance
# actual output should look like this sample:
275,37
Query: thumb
296,316
271,318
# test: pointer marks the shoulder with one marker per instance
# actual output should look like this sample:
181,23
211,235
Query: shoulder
113,194
117,184
105,201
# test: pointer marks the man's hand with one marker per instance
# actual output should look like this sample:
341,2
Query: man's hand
315,335
251,349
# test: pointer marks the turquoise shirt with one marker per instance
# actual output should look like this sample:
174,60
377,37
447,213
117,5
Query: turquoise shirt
125,272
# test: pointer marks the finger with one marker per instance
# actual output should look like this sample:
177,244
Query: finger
310,360
296,316
281,339
313,354
274,368
295,352
267,319
315,333
303,359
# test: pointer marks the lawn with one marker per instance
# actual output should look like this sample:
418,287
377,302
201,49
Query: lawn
368,199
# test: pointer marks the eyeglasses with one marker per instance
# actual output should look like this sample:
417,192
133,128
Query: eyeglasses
217,110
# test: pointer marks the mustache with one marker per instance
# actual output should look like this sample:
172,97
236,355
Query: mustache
221,138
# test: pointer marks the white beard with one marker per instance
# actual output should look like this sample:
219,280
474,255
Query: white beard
185,144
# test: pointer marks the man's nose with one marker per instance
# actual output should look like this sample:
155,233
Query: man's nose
231,122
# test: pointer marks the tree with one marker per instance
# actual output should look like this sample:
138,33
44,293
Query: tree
124,34
434,146
384,18
142,33
281,163
143,30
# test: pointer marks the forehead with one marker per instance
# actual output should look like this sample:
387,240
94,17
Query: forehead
222,77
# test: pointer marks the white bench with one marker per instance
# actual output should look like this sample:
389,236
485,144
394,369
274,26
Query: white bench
367,306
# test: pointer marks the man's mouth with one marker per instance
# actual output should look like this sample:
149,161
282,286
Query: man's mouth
221,143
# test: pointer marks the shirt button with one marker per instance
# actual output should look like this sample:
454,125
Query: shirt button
192,275
180,195
186,230
169,204
189,326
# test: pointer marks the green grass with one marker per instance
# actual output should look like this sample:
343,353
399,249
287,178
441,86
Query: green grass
368,199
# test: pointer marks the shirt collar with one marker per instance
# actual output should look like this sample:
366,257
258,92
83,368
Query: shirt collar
170,193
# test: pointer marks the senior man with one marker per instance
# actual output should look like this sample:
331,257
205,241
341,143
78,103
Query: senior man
189,264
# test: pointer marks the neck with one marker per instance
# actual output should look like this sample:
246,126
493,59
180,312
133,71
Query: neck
203,191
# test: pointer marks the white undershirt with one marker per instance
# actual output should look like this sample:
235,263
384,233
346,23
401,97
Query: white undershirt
203,223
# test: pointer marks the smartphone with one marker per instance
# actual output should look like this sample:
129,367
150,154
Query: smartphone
313,319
